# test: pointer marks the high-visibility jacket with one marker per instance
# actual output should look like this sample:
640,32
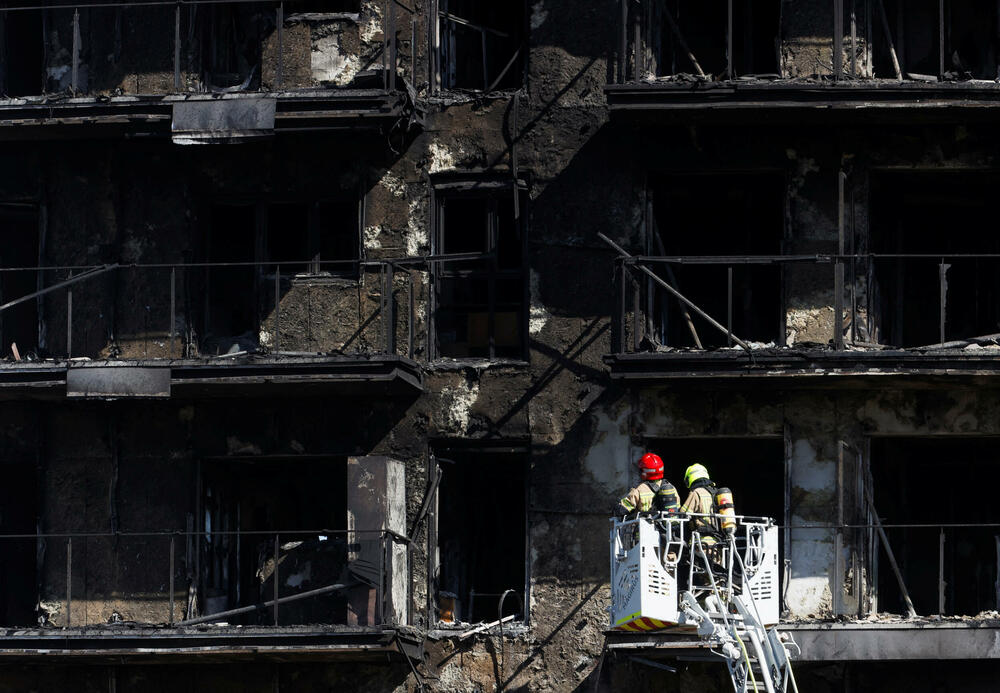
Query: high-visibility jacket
701,500
659,495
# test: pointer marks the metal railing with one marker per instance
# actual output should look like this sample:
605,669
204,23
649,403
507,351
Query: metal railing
859,32
171,46
160,310
644,281
159,577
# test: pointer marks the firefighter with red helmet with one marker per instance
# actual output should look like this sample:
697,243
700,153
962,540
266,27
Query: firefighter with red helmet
654,493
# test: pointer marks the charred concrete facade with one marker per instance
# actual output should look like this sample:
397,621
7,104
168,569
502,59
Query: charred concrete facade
317,307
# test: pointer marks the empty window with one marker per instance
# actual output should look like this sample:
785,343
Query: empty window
702,26
19,235
482,45
970,33
323,7
928,481
22,53
481,534
753,468
244,504
323,234
480,302
726,214
19,572
231,287
248,241
918,214
231,39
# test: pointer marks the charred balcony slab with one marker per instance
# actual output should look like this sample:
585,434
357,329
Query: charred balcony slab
59,117
926,639
881,100
810,368
144,644
238,375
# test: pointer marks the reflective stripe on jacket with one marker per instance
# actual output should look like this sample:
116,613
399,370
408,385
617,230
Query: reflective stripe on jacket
700,501
651,495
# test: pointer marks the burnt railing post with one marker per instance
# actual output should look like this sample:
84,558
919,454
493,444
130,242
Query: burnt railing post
943,297
277,308
274,575
623,44
280,21
75,69
69,319
177,48
941,573
618,334
838,39
838,270
729,306
170,581
173,308
409,319
636,301
69,581
389,307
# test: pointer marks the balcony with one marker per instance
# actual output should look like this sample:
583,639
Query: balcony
238,581
205,71
688,318
875,63
212,329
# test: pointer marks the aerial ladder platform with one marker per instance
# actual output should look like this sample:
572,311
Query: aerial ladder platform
668,578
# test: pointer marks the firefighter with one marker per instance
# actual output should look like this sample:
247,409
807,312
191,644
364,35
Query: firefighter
654,493
701,500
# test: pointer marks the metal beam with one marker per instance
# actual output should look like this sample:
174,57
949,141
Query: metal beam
247,609
681,297
78,278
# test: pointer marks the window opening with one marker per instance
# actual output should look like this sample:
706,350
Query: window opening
288,237
232,37
915,213
719,214
971,39
22,53
319,237
704,26
905,475
19,570
323,7
753,468
482,44
480,303
481,532
19,235
231,296
324,233
249,496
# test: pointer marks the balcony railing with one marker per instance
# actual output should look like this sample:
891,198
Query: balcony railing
865,287
184,310
157,578
105,48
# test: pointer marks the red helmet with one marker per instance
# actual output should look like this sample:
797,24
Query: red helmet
651,467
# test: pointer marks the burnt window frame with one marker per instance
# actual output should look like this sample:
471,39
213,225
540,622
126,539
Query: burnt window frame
943,48
265,271
442,18
42,43
649,45
439,453
649,289
513,192
258,24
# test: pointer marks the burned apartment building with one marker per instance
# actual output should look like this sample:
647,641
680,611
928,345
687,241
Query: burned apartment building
316,353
